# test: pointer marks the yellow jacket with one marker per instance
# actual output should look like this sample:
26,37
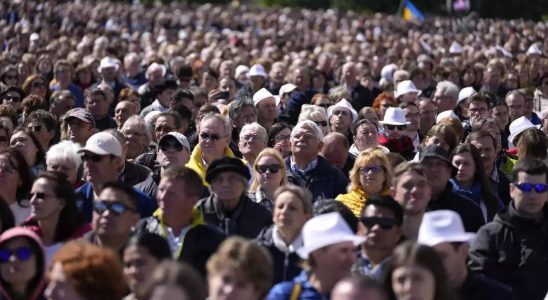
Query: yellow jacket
195,162
355,200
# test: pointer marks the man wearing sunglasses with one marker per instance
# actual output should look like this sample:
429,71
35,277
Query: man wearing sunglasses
393,137
114,215
380,223
513,248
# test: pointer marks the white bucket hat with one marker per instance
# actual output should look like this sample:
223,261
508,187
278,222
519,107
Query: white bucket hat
286,88
518,126
465,93
263,94
442,226
394,116
343,103
257,70
455,48
404,87
108,62
325,230
240,70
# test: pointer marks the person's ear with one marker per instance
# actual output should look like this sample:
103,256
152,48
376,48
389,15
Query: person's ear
392,191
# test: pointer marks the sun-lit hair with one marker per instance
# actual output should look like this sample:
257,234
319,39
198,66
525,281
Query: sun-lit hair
364,158
274,154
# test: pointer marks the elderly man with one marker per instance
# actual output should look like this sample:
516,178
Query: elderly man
445,96
307,169
443,231
78,125
515,101
328,251
108,70
335,151
266,108
178,221
155,76
253,139
228,208
427,110
97,103
137,135
122,111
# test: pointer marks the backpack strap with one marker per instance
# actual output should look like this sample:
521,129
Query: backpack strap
295,291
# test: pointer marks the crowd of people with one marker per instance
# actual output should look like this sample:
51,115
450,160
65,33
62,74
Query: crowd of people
231,152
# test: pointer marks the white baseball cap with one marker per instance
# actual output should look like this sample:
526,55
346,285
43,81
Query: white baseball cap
103,143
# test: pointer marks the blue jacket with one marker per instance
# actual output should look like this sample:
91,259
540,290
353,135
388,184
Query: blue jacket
84,201
283,290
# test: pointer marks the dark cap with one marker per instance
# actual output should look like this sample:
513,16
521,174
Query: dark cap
227,164
435,151
81,114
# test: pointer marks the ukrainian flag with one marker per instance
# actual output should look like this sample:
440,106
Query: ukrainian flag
411,13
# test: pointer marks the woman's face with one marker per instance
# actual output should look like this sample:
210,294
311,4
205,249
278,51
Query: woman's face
9,177
24,144
281,142
436,140
17,261
372,177
138,265
367,137
63,166
269,179
11,78
413,282
4,139
44,203
228,284
84,76
39,88
289,214
469,77
323,102
465,165
13,99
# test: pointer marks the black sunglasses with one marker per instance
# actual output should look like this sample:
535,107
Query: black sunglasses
213,137
93,157
117,208
12,98
528,187
21,253
164,129
268,168
384,223
321,123
165,146
398,127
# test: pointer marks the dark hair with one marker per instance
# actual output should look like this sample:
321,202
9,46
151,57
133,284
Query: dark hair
499,103
7,220
478,134
207,109
95,92
10,113
124,188
41,154
481,97
19,163
184,112
274,130
42,116
179,94
193,182
360,123
12,88
175,115
175,273
411,253
530,165
533,142
236,107
331,205
153,243
386,202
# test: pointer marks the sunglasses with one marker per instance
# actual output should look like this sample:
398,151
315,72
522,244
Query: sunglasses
35,128
12,98
384,223
324,105
116,208
528,187
213,137
163,129
321,123
398,127
21,253
167,146
268,168
93,157
374,169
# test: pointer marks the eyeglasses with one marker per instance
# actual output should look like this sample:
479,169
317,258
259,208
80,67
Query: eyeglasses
374,169
213,137
164,129
280,138
35,128
528,187
117,208
93,157
393,127
165,146
321,123
21,253
12,98
130,133
250,137
268,168
384,223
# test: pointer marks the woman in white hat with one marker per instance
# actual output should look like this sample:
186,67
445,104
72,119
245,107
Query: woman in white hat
393,137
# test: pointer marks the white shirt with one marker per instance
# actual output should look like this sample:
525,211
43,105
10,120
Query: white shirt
175,242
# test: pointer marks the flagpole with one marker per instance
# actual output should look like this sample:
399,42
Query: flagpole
400,8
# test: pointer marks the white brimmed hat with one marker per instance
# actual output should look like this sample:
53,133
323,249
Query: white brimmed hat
343,103
518,126
103,143
325,230
240,70
286,88
404,87
394,116
465,93
257,70
108,62
455,48
263,94
442,226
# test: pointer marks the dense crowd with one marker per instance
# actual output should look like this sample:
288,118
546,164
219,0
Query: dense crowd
231,152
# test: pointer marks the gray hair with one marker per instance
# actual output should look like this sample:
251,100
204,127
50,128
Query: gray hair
150,120
226,123
236,107
310,111
449,89
260,130
139,121
64,150
310,125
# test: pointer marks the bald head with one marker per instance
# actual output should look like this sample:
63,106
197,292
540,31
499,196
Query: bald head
335,149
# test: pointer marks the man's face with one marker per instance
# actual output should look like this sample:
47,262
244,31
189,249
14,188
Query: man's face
100,167
228,186
439,172
486,148
500,114
443,102
266,110
213,138
165,96
247,116
122,112
251,143
173,202
374,218
109,223
277,74
97,105
304,143
528,203
172,153
492,77
65,104
109,74
349,72
341,119
335,153
135,135
412,192
79,131
367,136
428,112
164,125
516,106
393,131
477,110
64,74
453,259
413,115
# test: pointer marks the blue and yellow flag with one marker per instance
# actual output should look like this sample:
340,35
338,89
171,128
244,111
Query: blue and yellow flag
411,13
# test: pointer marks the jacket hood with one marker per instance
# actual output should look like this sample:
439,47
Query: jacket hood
27,233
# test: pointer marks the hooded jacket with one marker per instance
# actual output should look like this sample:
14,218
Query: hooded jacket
37,289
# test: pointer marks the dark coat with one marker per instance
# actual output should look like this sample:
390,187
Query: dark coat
247,220
324,181
286,265
514,250
134,174
479,287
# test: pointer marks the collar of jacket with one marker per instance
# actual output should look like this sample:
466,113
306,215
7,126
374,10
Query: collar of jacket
195,162
197,217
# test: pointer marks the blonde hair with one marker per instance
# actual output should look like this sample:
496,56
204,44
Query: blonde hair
364,158
276,155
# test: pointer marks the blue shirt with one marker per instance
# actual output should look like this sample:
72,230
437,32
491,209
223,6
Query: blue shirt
76,92
282,290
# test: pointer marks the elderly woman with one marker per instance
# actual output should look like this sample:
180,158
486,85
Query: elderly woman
371,175
137,135
268,175
64,158
240,269
315,114
366,136
228,208
292,208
